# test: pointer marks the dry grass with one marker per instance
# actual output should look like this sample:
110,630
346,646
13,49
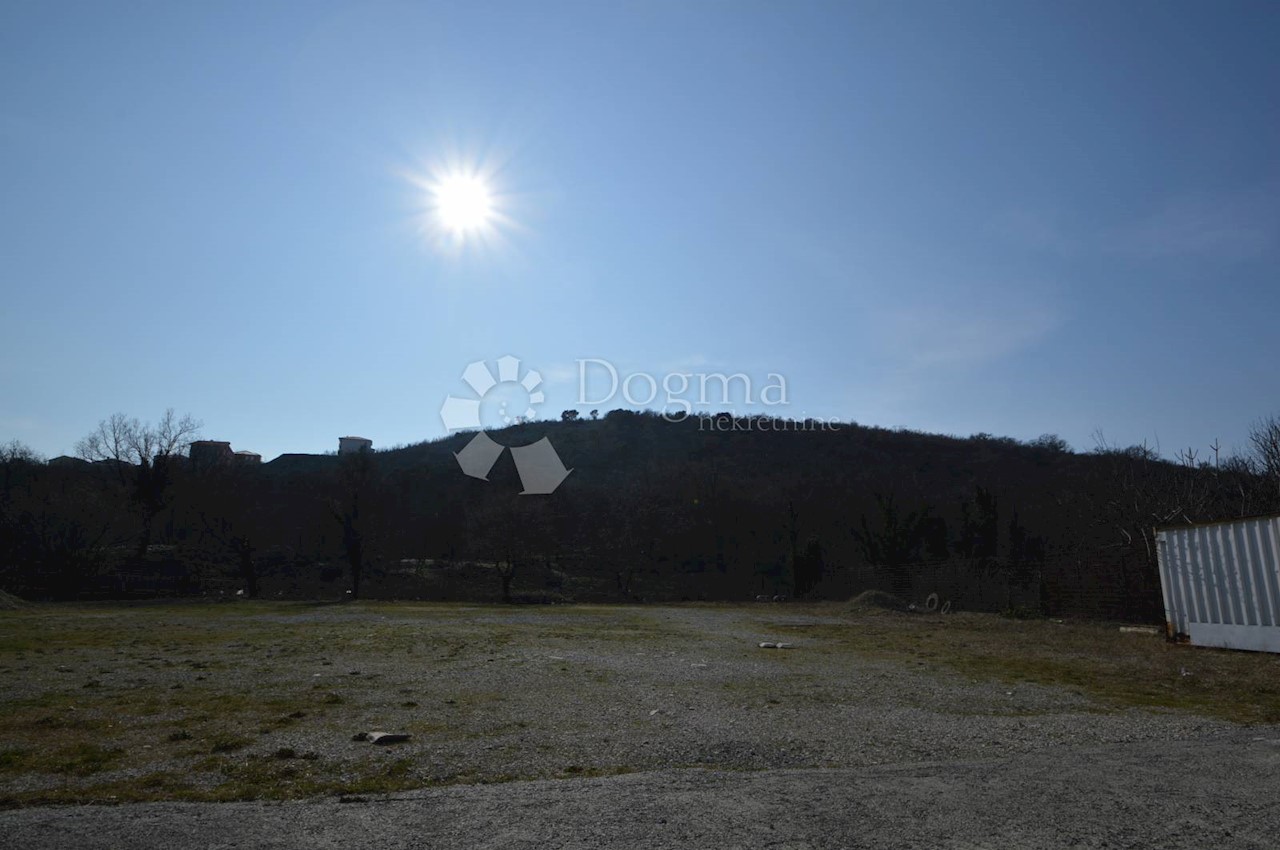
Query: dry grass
186,696
1095,659
251,700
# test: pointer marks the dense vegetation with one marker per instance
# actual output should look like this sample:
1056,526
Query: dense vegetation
653,510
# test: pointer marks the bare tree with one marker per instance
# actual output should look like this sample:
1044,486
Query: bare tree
14,454
141,456
1265,436
15,451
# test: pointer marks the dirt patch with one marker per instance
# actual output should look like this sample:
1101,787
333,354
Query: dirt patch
9,602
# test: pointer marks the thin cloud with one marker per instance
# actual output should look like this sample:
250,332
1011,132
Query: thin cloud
1218,230
1223,228
950,336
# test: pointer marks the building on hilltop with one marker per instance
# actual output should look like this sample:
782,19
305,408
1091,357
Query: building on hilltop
208,453
67,461
354,445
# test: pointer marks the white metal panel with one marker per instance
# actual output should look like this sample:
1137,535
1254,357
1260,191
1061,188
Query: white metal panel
1256,638
1224,579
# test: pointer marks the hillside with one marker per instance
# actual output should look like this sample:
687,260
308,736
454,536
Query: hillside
660,509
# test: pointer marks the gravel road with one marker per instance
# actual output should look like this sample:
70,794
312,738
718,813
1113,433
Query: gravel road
1219,790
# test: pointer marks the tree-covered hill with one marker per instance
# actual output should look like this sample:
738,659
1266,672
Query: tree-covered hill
717,507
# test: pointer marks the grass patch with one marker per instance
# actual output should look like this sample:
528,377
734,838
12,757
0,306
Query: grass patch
13,760
228,745
84,759
1096,659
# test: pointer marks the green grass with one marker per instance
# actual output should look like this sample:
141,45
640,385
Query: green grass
79,759
85,759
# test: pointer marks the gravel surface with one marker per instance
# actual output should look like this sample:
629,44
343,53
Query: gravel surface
639,726
1219,792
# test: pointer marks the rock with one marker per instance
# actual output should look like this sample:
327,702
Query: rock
384,738
768,645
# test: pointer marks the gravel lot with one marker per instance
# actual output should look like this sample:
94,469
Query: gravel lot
638,727
1219,792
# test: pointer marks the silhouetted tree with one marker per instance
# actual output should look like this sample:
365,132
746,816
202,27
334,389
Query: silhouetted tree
1265,437
143,457
793,543
1026,555
16,451
226,499
357,490
508,530
1051,443
979,526
53,521
809,567
933,532
895,544
639,517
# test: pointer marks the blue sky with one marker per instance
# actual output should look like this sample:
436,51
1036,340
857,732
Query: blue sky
1011,217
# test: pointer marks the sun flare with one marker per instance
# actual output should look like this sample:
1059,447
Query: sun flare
463,203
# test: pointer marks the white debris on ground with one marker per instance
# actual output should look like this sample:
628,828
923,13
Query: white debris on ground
382,738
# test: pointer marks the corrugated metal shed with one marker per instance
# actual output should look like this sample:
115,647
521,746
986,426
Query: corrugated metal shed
1221,583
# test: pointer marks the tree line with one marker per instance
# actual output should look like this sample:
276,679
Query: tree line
654,510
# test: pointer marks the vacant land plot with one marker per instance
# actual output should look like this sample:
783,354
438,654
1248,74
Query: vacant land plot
261,700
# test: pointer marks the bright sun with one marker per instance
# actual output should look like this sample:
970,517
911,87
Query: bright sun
463,203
